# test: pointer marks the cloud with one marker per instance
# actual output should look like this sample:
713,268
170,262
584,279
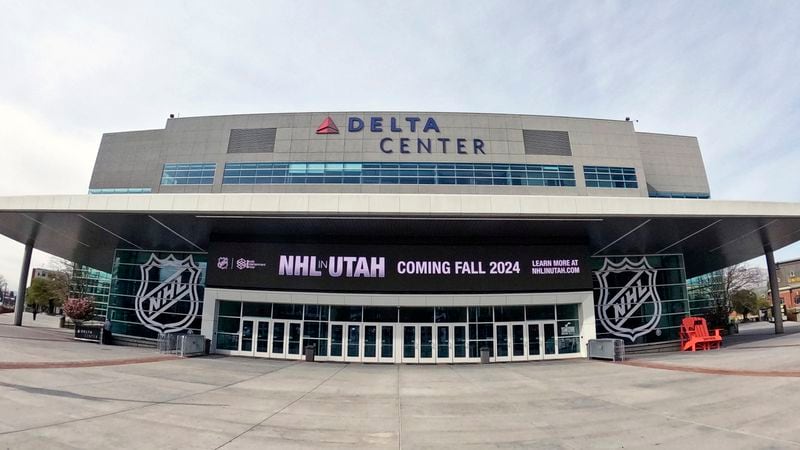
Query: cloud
719,70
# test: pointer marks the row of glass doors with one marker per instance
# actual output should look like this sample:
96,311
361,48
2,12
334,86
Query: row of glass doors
403,343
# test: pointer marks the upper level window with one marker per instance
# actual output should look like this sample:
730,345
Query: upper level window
610,177
399,173
664,194
202,173
120,191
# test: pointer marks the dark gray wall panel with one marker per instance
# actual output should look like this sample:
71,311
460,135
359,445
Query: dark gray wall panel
252,140
545,142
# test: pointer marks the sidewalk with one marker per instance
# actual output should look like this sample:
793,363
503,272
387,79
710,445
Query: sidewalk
756,349
41,341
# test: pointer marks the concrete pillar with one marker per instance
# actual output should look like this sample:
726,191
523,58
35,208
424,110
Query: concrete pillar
773,288
23,282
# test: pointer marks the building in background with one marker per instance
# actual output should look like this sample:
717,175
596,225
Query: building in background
400,236
789,285
45,273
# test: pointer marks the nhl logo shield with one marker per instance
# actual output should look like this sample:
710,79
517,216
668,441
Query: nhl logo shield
630,306
167,300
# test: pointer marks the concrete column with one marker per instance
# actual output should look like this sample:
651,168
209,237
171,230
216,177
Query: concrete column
773,288
23,282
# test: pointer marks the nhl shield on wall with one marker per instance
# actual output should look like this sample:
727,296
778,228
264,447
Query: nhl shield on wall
167,299
622,310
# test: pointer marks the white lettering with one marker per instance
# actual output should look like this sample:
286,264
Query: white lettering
286,265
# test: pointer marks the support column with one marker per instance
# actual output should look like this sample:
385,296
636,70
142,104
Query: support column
774,290
23,282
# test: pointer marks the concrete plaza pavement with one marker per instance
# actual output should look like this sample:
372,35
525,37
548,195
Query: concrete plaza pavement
232,402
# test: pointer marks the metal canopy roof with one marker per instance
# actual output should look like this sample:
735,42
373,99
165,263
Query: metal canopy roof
711,234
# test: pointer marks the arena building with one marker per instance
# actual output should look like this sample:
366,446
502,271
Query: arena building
399,236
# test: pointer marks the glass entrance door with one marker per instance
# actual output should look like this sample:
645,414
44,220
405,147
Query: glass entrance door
534,341
502,343
549,338
378,343
246,342
410,346
418,344
370,349
517,350
262,338
278,346
286,339
353,348
387,347
451,343
459,333
337,342
541,340
294,340
444,344
426,344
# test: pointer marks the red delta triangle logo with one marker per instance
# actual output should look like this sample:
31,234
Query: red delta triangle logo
327,127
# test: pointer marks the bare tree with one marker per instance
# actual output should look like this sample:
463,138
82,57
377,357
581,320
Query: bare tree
62,278
719,288
721,285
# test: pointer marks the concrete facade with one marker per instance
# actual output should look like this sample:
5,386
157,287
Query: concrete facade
136,159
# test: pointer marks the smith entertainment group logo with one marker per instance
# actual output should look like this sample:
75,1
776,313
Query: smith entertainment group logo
170,305
623,313
422,144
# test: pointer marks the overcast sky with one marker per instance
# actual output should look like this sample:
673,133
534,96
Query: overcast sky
727,72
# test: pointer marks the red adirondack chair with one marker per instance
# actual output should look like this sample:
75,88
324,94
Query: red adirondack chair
694,335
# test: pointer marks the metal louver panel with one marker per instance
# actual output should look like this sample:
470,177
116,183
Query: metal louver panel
545,142
252,140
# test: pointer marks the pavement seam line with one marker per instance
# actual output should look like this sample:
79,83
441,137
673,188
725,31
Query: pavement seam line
399,411
135,408
284,407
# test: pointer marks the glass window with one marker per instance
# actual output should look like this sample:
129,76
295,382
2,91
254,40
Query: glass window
610,177
228,324
287,311
380,173
480,314
564,312
120,191
380,314
316,312
416,315
568,345
228,308
569,328
451,314
540,312
256,309
227,341
346,313
509,314
188,173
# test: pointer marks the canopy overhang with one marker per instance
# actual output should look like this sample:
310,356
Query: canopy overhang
711,234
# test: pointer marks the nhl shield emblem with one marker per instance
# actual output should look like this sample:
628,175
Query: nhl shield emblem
630,306
167,300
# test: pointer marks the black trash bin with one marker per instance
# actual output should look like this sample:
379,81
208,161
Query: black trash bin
484,355
310,353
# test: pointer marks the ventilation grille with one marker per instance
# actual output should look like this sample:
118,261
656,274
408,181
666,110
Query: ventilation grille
542,142
252,140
